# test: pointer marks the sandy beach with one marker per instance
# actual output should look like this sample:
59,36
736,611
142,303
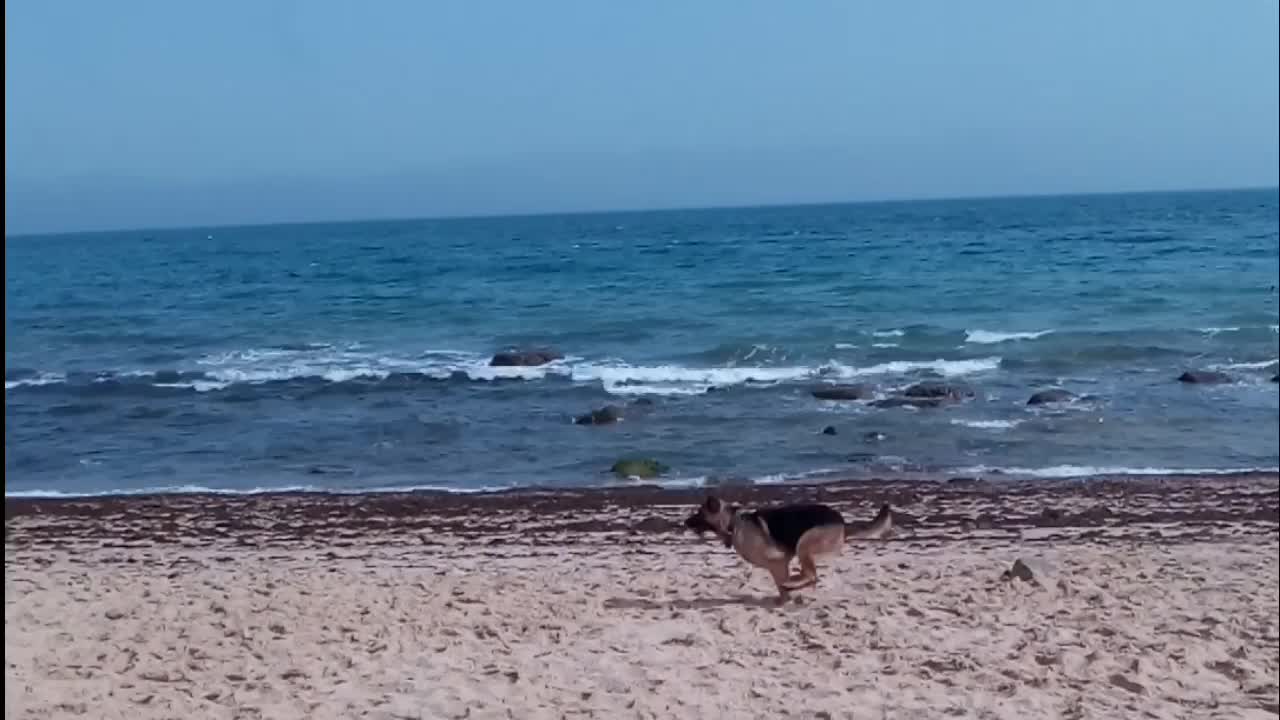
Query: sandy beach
1151,597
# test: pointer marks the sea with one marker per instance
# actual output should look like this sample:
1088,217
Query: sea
354,356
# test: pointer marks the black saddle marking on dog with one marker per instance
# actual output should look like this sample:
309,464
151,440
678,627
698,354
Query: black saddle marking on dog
788,523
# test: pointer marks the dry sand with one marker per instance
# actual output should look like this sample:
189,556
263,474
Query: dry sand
1154,598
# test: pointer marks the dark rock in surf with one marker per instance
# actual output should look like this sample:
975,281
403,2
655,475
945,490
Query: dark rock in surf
1053,395
606,415
936,389
843,392
1275,378
524,358
638,467
1204,377
829,430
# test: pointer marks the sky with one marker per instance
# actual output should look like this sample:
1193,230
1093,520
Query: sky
153,113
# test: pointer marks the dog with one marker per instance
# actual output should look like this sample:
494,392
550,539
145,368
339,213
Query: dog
770,538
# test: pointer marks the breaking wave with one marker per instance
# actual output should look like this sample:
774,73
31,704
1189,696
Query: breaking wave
323,364
1081,471
990,337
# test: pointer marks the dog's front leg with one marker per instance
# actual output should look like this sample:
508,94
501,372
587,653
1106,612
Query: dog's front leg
781,573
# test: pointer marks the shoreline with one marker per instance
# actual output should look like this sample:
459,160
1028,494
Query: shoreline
811,479
301,512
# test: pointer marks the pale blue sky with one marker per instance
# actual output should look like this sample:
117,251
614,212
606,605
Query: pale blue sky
146,112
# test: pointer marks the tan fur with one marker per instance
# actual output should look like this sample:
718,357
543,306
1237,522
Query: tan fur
824,540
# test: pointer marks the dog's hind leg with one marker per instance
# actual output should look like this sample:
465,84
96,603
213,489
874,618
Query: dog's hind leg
807,577
822,540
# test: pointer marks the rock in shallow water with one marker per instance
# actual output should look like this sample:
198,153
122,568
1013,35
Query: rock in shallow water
843,392
643,468
604,416
937,389
927,394
524,358
1204,377
1052,395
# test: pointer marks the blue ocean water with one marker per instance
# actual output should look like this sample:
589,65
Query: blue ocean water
354,356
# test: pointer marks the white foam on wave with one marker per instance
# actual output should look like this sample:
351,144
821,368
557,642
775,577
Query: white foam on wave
1260,364
988,424
273,365
888,333
949,368
159,490
204,490
699,481
197,385
1071,471
669,483
270,365
338,365
807,476
1234,329
624,379
845,346
676,483
258,366
884,345
991,337
41,379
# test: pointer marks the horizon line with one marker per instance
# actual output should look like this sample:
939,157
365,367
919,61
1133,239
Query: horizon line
635,210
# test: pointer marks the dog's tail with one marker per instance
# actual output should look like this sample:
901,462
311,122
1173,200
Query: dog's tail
878,529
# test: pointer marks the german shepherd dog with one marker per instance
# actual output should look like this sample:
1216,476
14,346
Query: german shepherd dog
770,538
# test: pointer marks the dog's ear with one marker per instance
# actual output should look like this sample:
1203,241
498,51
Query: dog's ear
712,505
